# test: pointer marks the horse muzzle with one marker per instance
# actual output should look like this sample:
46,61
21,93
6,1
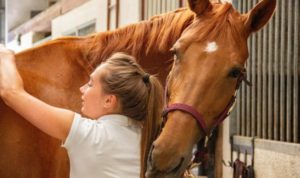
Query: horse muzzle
166,165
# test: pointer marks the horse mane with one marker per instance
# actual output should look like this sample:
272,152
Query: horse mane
157,34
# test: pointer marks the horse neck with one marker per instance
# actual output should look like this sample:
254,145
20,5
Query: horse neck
154,37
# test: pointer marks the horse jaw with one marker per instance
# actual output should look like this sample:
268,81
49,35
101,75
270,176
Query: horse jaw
169,158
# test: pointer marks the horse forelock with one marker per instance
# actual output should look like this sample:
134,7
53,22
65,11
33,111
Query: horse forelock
154,35
221,24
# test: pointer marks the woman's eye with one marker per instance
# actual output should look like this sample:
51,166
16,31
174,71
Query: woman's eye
89,84
234,73
175,57
175,54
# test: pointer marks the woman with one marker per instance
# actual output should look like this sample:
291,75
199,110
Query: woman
122,102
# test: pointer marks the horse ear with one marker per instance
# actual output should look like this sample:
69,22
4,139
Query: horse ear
199,6
257,17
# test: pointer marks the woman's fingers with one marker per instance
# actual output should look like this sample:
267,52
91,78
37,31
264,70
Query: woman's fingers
5,53
10,78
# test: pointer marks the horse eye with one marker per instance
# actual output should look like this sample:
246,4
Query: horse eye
234,73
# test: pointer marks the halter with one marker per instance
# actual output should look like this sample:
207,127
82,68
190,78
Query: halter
196,115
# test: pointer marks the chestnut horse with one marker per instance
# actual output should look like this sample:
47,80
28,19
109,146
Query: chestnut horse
54,72
209,64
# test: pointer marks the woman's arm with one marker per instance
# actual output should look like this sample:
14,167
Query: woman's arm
54,121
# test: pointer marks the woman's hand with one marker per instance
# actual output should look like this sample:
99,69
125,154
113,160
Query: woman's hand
10,79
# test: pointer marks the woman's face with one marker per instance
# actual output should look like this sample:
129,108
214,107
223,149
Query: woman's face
95,102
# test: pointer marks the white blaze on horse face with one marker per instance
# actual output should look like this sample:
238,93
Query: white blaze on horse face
211,47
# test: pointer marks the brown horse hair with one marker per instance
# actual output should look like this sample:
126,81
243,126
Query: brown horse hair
159,34
140,99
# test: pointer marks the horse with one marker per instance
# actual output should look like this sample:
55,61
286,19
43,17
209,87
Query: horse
209,65
54,71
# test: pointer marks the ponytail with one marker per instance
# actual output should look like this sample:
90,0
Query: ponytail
153,120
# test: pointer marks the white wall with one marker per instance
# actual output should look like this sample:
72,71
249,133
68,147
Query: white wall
279,163
19,11
26,41
93,10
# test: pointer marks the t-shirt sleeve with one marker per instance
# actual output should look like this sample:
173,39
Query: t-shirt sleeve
83,132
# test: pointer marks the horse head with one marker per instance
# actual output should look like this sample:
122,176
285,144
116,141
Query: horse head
209,63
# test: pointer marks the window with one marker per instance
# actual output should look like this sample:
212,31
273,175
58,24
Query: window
82,30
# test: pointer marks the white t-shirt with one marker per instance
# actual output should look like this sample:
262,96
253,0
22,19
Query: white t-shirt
105,148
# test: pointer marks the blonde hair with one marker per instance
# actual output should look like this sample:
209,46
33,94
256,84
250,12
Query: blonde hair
140,96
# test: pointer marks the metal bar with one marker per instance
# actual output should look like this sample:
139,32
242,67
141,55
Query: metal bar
147,11
108,15
249,97
154,7
150,3
282,72
163,6
117,13
289,69
276,71
253,80
143,10
243,94
264,83
253,88
173,5
151,8
296,65
271,79
166,5
259,83
239,101
158,7
177,4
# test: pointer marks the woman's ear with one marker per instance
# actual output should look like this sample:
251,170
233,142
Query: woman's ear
111,102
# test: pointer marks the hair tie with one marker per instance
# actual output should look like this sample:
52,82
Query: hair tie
146,78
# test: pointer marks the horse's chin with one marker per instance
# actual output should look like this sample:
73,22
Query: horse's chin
174,170
161,174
